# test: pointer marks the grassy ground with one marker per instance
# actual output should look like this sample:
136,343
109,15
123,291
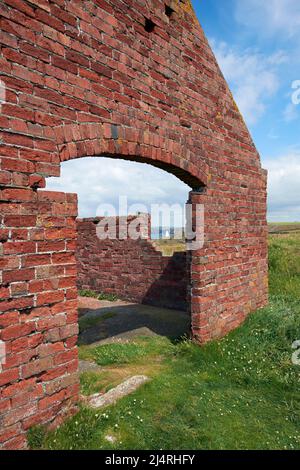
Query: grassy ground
96,295
169,247
238,393
284,227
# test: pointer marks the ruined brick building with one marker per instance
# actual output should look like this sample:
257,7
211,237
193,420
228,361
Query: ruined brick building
131,269
132,79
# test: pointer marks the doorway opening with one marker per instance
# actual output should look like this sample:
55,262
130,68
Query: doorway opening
131,259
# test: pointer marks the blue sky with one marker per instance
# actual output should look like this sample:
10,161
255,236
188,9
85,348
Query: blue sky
260,40
257,45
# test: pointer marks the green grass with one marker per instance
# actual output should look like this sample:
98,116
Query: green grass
284,266
92,382
97,295
169,247
284,227
241,392
129,352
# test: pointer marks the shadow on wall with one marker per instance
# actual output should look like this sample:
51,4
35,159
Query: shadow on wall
134,270
170,289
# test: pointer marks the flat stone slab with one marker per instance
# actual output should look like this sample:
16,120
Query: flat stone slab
88,366
112,396
125,320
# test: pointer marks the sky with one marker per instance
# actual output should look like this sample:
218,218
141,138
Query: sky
257,45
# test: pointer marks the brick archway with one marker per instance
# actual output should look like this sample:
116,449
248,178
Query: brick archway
90,78
94,139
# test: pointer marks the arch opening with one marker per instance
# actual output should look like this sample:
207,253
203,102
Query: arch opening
138,283
184,175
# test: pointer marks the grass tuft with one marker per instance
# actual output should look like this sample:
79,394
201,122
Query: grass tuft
95,295
36,436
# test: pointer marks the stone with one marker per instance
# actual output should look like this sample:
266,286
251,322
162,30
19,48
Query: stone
99,400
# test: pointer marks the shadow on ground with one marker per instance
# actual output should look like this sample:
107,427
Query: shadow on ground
104,322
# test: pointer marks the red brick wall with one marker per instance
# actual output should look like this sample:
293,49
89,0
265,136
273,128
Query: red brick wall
133,270
86,78
38,317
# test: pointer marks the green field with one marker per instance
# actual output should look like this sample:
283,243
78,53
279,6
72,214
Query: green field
169,247
284,227
241,392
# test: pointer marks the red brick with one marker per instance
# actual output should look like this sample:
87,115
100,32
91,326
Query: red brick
37,181
63,258
9,262
50,298
17,165
69,281
23,386
44,4
18,275
16,195
5,406
65,64
35,260
10,432
10,248
49,401
19,234
51,246
9,376
19,288
5,178
20,220
9,318
54,321
25,398
14,416
19,303
50,349
36,367
4,293
16,331
17,443
64,357
40,417
19,345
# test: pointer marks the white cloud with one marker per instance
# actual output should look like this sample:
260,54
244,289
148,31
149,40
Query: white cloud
283,187
252,77
290,113
102,180
99,180
270,17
